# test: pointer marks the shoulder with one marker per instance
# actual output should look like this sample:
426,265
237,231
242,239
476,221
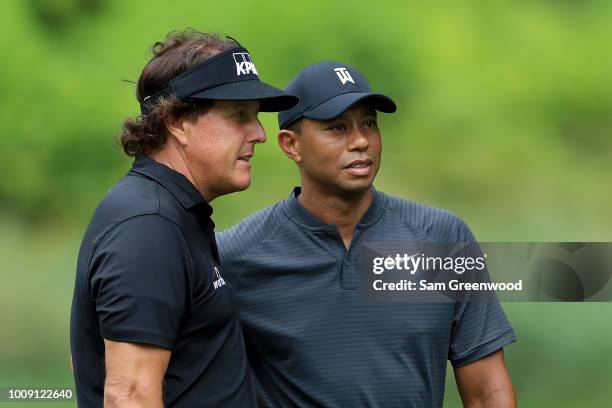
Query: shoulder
440,225
149,236
135,203
152,228
240,243
120,211
252,229
131,196
144,246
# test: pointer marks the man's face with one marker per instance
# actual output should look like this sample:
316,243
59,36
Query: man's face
221,143
341,155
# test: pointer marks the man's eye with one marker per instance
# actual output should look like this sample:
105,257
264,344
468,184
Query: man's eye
242,116
371,123
338,127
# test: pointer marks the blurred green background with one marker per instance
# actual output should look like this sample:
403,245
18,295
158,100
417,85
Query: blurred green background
505,118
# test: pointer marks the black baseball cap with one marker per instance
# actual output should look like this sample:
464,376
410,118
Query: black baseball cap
229,75
326,90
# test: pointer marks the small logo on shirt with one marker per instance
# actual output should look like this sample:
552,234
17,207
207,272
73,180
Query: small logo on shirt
244,64
217,283
344,75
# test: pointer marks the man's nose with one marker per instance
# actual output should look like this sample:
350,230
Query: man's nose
258,135
358,140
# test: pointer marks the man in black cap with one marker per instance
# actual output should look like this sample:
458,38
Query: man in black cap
311,337
152,323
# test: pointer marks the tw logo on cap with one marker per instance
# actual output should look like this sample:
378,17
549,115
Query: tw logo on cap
344,75
244,64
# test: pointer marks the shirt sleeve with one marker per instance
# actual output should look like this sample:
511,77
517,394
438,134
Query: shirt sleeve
139,281
480,326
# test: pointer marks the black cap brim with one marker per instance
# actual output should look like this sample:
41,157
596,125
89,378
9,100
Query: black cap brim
271,99
338,104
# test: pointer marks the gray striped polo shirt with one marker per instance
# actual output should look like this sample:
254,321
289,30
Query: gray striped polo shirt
311,338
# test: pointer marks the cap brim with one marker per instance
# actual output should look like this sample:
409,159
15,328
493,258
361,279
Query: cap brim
338,104
271,99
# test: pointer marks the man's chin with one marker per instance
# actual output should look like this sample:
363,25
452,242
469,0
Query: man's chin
234,187
242,184
356,187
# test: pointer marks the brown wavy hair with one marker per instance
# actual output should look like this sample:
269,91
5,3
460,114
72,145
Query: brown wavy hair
180,51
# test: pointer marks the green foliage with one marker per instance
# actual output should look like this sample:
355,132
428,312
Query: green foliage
505,117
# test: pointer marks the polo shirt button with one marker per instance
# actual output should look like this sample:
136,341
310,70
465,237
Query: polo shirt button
347,262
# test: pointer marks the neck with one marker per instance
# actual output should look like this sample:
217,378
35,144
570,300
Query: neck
342,210
172,157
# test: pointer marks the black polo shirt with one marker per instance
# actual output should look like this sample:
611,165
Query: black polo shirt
148,272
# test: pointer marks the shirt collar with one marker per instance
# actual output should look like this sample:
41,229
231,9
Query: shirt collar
302,216
176,183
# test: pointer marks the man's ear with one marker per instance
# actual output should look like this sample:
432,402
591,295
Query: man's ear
179,129
289,142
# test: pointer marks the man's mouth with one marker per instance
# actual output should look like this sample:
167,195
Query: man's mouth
359,167
359,164
246,157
